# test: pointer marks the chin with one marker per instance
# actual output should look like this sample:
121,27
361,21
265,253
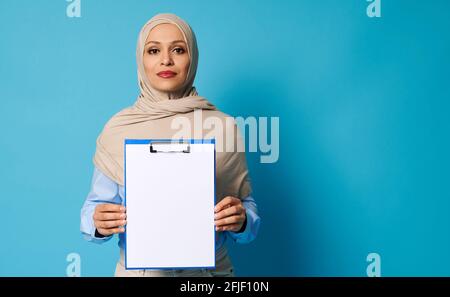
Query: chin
168,87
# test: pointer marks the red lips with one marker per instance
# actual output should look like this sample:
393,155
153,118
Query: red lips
166,74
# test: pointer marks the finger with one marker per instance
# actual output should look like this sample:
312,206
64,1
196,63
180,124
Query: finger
111,224
108,232
107,216
229,220
233,210
109,207
225,201
230,227
222,203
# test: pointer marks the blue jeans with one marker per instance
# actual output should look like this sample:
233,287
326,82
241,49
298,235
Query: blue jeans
224,268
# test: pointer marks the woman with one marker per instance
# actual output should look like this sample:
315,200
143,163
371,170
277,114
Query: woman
167,58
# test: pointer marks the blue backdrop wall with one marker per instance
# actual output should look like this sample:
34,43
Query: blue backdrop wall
363,105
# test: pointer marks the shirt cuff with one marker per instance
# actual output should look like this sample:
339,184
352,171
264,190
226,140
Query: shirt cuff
250,231
94,239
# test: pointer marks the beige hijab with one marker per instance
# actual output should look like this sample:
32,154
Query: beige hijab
153,112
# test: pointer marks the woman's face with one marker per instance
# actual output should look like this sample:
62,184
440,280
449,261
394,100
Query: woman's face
166,60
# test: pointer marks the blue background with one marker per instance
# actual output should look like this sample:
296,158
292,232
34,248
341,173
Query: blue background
364,127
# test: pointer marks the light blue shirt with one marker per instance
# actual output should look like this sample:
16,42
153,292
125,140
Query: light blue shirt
105,190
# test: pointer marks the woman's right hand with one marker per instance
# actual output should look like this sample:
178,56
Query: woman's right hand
109,219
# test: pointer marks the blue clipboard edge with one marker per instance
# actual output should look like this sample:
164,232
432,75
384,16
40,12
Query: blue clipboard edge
148,141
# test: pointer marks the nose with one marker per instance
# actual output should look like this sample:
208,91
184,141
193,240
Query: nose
166,59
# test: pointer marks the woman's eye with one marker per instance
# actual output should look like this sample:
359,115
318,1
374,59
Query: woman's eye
179,50
152,51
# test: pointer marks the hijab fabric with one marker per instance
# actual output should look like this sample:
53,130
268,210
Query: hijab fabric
150,115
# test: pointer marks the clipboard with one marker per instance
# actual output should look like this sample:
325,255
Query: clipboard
170,199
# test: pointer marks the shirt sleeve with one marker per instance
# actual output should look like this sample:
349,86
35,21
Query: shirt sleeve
252,225
103,190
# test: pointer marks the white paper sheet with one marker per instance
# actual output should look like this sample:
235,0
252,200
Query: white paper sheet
170,206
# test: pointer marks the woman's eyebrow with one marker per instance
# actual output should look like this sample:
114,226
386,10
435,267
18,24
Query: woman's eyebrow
157,42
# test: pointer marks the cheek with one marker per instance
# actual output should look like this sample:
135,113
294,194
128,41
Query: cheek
148,65
184,64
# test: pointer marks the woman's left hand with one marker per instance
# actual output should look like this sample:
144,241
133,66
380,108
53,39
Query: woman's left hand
229,214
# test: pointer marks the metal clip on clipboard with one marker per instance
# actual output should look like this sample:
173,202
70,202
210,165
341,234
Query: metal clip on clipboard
162,147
